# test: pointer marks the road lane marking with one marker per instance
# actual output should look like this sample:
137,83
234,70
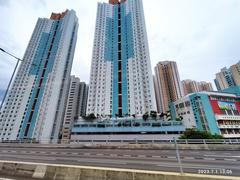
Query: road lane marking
194,152
188,157
142,156
210,153
221,156
156,156
212,159
101,162
198,158
100,154
31,157
230,159
113,155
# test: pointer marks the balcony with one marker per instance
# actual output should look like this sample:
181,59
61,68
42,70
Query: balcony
227,117
231,135
223,126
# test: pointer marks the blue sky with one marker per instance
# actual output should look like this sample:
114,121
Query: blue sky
201,35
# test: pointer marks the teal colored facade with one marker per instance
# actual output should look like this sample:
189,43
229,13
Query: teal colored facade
130,126
118,50
39,90
121,83
203,113
43,63
232,90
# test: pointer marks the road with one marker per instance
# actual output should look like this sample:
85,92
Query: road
193,161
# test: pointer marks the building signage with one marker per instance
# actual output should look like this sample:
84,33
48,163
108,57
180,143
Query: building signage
223,105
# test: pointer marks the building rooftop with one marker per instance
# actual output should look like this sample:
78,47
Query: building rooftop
58,16
116,1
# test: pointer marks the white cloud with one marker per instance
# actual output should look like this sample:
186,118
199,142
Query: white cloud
202,36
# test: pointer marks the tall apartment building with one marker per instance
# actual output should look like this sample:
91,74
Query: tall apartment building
121,77
224,79
75,106
71,112
205,86
191,86
228,77
235,70
82,98
34,106
167,83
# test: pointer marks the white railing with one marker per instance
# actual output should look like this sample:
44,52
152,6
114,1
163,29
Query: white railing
126,141
226,126
162,141
227,117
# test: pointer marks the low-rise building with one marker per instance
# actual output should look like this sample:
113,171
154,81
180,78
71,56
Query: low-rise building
125,129
216,112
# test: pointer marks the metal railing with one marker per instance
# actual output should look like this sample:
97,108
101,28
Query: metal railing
161,141
127,141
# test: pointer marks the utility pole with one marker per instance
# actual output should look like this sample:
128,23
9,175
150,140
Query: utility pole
10,82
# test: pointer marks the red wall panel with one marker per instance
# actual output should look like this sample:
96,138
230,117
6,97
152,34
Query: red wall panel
215,107
237,106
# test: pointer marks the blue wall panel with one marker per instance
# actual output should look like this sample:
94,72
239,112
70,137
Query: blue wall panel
111,53
38,70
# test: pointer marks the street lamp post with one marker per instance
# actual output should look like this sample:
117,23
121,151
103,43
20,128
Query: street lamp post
14,71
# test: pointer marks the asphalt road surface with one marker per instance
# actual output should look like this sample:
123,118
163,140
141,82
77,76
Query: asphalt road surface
193,161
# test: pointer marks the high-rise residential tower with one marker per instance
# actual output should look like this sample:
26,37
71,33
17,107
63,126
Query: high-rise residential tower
168,87
191,86
235,70
82,98
34,106
228,77
224,79
75,106
121,77
205,86
71,112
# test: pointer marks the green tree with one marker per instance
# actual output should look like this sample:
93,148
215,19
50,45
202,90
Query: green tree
153,114
90,116
145,116
194,134
180,118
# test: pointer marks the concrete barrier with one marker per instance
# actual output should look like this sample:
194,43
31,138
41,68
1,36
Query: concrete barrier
68,172
228,147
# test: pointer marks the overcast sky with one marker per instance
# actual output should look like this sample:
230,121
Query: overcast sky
202,36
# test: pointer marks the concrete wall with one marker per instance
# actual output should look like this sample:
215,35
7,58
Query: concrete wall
119,145
66,172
